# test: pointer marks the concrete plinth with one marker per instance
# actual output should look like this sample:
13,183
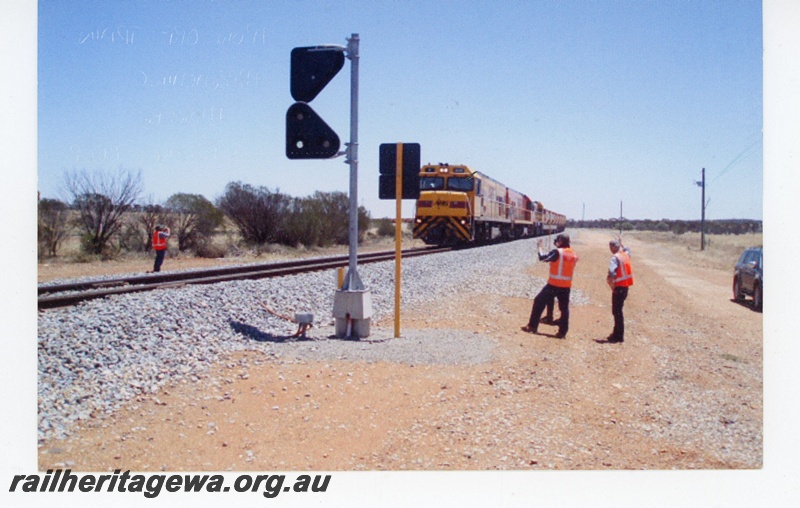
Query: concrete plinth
352,310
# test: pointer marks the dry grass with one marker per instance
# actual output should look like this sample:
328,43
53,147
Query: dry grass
72,264
721,251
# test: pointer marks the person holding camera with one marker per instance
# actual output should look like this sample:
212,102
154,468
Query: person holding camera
619,279
160,236
562,261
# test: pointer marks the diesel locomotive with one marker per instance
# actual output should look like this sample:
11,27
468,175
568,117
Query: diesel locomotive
457,205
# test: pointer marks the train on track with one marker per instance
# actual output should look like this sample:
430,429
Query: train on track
459,206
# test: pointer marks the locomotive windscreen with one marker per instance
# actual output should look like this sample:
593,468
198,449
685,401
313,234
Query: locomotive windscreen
431,183
460,184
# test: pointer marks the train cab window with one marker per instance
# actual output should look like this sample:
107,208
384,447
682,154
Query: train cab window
459,184
431,183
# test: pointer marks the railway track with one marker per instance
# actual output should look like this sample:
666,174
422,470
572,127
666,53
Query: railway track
64,295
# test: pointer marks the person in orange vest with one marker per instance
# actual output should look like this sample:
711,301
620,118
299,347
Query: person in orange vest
160,236
562,261
620,278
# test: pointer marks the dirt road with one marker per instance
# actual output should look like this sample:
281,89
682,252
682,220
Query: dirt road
683,392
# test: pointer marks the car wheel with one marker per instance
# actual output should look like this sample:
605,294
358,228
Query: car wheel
758,297
737,290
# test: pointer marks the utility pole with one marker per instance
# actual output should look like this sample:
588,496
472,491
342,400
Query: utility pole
702,185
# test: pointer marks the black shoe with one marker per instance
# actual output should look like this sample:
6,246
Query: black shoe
529,329
560,335
547,320
614,340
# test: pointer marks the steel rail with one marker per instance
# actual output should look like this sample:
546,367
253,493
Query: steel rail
91,289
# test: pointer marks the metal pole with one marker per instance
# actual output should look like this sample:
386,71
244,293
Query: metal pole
398,237
353,281
352,305
703,210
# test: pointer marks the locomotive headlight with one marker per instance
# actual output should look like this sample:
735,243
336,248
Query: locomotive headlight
463,222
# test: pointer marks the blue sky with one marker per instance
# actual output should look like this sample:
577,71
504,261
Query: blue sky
579,104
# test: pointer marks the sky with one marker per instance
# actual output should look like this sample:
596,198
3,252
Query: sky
586,106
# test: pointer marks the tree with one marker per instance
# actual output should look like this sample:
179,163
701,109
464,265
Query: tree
257,212
624,226
53,226
100,200
194,219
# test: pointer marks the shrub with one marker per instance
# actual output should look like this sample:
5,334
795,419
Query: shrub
257,212
131,238
210,250
194,219
263,216
385,227
53,226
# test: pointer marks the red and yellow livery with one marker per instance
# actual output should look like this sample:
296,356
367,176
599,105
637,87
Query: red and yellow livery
459,205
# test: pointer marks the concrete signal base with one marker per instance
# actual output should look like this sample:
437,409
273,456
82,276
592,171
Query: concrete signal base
352,311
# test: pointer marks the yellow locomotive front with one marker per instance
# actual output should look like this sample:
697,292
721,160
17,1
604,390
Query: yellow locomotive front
445,206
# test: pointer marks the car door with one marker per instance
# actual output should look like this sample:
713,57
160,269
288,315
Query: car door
748,270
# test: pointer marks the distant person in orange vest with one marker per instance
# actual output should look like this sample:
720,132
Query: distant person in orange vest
620,278
562,261
160,236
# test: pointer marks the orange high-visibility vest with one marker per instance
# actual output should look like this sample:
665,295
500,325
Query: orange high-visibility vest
159,243
561,270
624,275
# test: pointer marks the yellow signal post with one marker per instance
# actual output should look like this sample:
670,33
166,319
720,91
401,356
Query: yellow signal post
398,237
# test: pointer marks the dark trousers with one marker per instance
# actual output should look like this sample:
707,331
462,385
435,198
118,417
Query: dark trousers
159,260
545,296
549,308
617,303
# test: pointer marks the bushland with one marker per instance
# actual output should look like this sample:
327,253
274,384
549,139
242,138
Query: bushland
105,216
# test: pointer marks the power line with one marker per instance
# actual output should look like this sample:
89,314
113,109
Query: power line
739,158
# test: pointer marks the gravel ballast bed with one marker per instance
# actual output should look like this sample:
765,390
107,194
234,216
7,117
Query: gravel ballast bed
96,356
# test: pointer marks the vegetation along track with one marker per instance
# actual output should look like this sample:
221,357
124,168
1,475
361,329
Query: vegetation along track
63,295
